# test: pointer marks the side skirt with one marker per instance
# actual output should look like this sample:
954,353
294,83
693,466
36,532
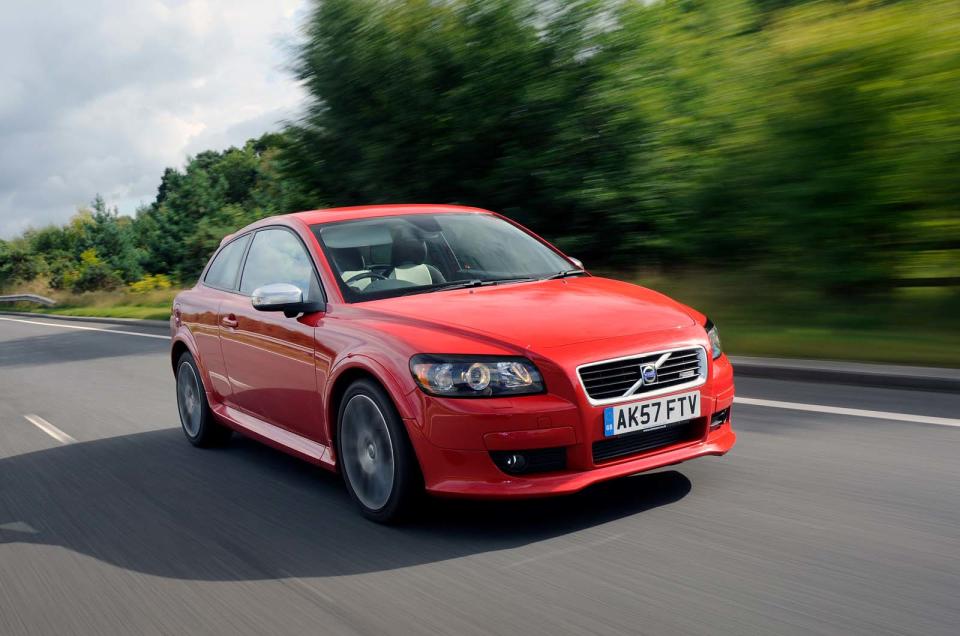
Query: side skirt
274,436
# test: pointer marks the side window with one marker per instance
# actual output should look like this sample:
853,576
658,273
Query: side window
277,256
225,269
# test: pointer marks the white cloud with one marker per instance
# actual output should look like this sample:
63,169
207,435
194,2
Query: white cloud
100,96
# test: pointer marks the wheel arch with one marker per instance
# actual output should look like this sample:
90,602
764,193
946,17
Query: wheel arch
178,348
348,372
183,343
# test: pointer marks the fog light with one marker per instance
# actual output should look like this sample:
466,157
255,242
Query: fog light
719,418
530,460
515,462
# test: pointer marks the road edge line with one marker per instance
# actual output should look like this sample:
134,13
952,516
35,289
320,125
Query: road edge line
840,410
83,328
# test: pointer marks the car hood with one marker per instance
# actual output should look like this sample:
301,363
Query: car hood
544,314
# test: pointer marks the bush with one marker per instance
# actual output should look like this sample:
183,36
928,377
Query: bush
151,282
91,275
17,264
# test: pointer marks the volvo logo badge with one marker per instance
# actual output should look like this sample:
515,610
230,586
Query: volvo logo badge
649,373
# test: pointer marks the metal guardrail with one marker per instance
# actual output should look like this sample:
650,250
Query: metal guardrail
28,298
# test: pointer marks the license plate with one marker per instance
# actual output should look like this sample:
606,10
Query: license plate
650,414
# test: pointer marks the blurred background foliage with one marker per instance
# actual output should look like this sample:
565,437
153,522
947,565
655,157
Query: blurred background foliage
807,151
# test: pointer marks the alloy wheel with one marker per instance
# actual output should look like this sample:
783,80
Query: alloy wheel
367,452
188,399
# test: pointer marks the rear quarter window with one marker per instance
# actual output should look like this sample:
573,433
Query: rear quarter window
225,268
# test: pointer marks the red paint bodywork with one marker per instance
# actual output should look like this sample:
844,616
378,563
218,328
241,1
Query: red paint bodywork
277,379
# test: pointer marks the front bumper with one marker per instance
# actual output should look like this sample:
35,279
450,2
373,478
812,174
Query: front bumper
473,473
454,439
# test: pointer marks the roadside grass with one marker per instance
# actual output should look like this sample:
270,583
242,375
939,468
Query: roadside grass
761,318
755,316
142,312
121,303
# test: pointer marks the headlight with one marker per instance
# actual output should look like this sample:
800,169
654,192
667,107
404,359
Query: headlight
714,335
475,376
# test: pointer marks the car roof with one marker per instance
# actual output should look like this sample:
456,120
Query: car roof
332,215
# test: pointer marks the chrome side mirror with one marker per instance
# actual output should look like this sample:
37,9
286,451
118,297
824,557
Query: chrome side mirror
576,261
283,297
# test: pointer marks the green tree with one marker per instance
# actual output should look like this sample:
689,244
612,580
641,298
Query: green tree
112,236
858,157
496,103
816,141
17,263
217,193
820,147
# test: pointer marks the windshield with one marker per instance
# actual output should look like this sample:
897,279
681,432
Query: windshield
418,253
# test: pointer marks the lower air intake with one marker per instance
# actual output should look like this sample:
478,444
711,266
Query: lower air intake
525,462
642,441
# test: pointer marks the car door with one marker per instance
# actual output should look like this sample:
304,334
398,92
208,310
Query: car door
270,358
219,283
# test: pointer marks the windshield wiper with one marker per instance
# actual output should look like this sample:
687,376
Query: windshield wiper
464,284
565,274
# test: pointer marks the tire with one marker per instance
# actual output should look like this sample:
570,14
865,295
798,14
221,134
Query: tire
196,419
376,459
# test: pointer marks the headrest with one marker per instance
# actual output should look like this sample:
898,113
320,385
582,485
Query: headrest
409,251
348,259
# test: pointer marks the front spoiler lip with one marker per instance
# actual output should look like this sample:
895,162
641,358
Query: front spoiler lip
718,443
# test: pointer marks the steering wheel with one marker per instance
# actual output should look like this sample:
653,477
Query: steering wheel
362,275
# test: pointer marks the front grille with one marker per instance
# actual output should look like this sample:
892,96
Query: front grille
633,443
537,460
623,378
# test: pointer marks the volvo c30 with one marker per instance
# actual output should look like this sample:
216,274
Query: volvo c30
442,349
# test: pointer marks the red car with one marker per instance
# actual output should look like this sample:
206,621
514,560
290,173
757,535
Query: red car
442,348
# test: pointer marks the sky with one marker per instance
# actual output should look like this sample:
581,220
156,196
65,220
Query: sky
99,96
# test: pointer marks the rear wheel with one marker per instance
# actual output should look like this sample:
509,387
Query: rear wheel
196,419
377,462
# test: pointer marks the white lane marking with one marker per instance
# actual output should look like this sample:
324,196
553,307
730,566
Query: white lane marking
18,526
55,324
49,429
839,410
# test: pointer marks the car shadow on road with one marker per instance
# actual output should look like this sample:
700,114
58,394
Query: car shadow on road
151,503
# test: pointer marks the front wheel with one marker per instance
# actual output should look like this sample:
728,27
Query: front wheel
377,462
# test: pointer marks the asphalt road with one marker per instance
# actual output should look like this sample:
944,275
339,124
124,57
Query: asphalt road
816,523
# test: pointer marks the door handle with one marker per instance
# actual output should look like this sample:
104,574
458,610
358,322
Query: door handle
229,322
